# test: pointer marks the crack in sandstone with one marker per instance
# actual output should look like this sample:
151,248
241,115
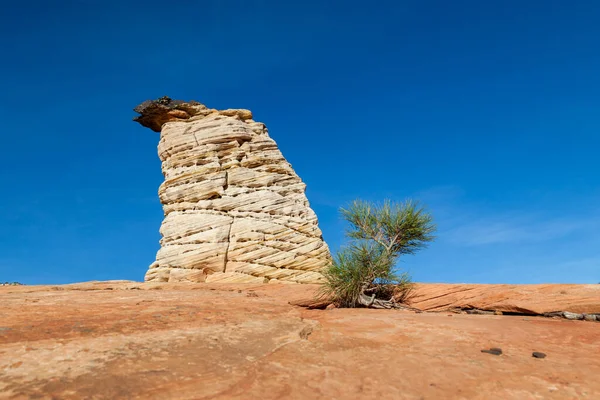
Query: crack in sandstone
228,244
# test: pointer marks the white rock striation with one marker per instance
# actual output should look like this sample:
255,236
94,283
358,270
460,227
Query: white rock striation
235,210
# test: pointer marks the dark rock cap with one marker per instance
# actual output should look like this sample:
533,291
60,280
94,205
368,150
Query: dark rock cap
154,113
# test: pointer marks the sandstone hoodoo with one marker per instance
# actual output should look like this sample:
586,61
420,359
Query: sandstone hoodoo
235,210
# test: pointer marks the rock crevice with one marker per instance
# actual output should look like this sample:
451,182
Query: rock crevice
235,210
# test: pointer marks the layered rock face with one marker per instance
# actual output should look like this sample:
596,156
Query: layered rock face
235,210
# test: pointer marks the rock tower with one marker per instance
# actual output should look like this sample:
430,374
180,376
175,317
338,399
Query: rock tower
235,210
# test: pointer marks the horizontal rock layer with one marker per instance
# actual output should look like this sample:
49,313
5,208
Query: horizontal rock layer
521,299
235,210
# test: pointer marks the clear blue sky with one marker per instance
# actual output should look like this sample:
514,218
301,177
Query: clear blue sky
489,112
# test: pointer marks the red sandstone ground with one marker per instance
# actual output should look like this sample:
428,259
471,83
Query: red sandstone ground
163,341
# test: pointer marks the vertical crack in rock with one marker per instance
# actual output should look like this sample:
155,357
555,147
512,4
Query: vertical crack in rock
235,210
226,181
228,243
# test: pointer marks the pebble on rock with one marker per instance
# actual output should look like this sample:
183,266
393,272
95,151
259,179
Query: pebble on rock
537,354
494,350
590,317
572,316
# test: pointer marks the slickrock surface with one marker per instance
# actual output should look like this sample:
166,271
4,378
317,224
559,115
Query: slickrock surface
525,299
235,210
128,340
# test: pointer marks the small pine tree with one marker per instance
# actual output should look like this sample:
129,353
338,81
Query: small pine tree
362,274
